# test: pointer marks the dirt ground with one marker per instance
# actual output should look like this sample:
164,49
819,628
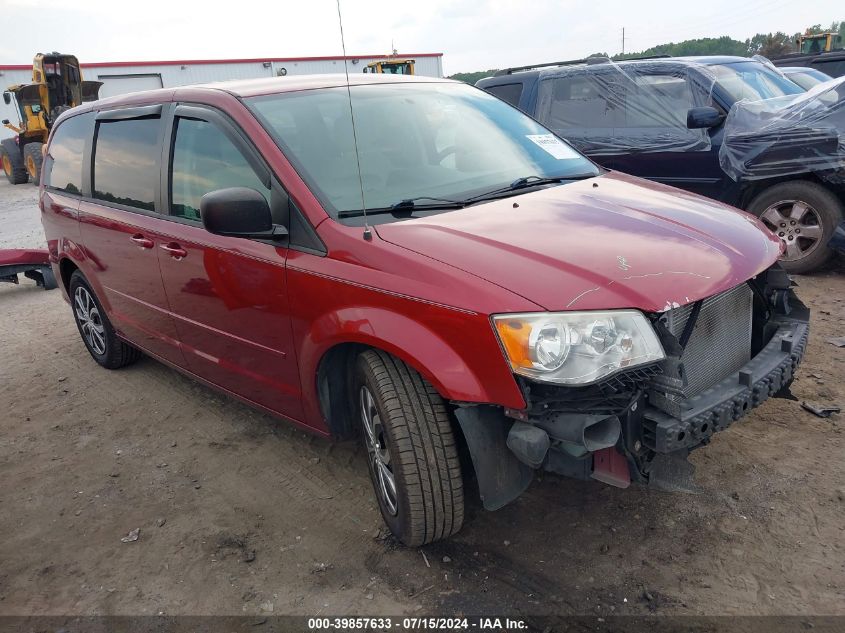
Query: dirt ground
240,513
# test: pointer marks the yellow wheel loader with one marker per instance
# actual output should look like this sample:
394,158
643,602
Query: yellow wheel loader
392,67
56,86
818,42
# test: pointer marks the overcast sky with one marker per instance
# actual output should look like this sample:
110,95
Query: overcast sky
472,34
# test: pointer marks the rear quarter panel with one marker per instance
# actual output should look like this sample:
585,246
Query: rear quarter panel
60,219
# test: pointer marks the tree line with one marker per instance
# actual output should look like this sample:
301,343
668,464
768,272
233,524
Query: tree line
766,44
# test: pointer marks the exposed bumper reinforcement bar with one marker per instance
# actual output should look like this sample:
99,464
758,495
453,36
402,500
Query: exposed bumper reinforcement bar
763,376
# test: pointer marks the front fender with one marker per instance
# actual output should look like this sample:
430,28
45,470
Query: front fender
457,352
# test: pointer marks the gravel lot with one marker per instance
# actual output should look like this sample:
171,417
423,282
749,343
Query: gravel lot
240,513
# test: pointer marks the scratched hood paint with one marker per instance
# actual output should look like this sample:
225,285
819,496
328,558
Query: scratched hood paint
609,242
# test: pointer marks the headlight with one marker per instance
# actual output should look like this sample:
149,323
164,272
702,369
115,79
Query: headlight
576,348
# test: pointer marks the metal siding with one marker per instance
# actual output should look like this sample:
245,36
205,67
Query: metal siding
11,78
173,75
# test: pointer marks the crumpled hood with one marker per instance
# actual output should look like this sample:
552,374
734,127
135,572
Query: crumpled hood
614,241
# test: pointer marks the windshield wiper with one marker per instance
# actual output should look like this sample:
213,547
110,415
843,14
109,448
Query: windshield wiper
406,207
524,183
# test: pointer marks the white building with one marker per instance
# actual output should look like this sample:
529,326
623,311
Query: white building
122,77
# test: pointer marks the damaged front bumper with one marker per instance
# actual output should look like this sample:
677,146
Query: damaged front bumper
769,372
638,426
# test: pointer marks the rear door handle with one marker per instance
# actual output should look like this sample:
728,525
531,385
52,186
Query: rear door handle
140,240
175,251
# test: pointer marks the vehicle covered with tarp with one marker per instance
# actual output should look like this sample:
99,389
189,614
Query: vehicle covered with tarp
731,128
787,136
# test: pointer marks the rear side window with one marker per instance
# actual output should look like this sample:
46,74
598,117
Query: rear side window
64,160
204,159
126,154
509,93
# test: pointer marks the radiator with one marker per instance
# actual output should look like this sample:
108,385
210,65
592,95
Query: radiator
721,339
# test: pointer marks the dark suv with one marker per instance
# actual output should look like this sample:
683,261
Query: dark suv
664,119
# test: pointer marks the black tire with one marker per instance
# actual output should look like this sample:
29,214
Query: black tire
12,162
32,160
779,207
416,434
113,353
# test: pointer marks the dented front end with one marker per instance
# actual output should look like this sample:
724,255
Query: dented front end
725,355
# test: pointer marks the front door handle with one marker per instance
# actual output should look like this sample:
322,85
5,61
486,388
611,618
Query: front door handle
140,240
175,251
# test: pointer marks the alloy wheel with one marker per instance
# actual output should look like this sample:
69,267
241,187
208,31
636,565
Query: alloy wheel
377,451
797,224
90,321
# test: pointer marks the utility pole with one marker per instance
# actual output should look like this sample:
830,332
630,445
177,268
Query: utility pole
623,40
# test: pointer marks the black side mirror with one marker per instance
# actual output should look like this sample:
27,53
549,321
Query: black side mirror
239,212
7,97
703,117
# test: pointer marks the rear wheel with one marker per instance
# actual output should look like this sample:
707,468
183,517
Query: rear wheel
803,215
12,161
33,157
411,451
95,329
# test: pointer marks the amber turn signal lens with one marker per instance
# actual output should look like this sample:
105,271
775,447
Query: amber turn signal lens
514,336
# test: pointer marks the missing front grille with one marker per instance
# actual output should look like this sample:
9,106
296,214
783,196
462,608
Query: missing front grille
720,342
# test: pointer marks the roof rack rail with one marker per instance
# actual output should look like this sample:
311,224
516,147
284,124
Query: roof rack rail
631,59
571,62
595,59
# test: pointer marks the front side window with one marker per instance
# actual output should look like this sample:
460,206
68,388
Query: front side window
126,154
624,109
63,170
442,140
204,160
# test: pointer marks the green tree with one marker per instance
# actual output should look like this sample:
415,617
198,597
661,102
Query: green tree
771,44
472,77
703,46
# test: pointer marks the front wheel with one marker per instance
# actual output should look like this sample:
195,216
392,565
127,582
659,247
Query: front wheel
411,451
803,215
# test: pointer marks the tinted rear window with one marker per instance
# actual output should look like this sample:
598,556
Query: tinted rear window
834,68
507,92
64,161
126,157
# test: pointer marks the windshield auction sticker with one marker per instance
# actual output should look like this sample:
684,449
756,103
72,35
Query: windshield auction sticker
553,145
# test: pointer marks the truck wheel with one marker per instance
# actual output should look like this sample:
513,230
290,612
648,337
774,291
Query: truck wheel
95,329
411,451
804,215
32,159
13,166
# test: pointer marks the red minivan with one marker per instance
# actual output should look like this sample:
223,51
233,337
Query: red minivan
412,261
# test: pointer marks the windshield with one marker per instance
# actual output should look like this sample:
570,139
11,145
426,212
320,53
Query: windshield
415,140
396,69
752,80
807,78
